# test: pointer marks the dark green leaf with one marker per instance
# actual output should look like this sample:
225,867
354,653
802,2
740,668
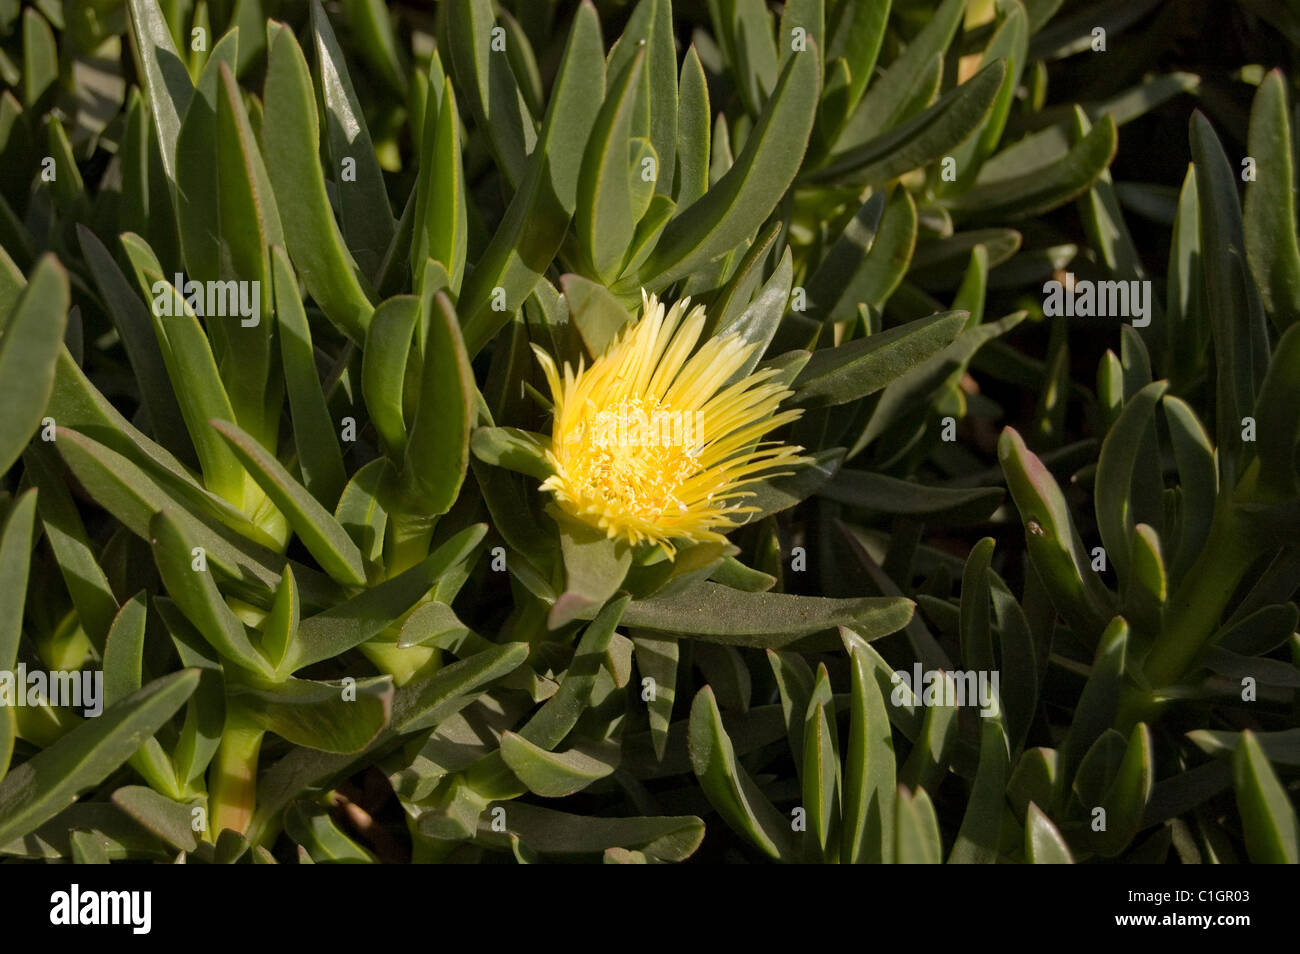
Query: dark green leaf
290,141
29,349
865,365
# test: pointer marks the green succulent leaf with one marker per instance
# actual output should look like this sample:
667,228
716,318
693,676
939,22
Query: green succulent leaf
978,839
1099,700
870,785
133,497
548,728
168,819
729,787
604,219
383,368
887,98
863,366
1051,537
916,830
924,138
15,565
488,81
351,622
1269,218
29,347
316,527
364,212
320,837
340,717
1278,420
86,755
1198,476
538,216
1126,799
715,613
549,832
91,593
596,314
184,571
1272,833
556,774
314,434
131,319
889,495
822,775
738,203
437,449
1043,842
290,143
440,231
166,80
857,32
521,451
594,568
693,120
1236,314
1041,190
1115,472
657,659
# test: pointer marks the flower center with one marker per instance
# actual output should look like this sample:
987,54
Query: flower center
636,453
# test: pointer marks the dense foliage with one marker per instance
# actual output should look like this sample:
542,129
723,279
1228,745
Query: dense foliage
989,547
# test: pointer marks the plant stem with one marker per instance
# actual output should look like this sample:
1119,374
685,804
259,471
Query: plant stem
233,783
409,538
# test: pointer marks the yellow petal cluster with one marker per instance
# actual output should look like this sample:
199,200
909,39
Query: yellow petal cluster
655,441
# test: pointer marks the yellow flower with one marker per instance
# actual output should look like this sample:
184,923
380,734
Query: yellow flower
651,443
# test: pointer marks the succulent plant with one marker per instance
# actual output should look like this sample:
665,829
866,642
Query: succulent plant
583,431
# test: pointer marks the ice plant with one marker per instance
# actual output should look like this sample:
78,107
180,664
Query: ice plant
348,605
657,441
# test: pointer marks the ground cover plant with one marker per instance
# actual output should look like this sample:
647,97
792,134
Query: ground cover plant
644,431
